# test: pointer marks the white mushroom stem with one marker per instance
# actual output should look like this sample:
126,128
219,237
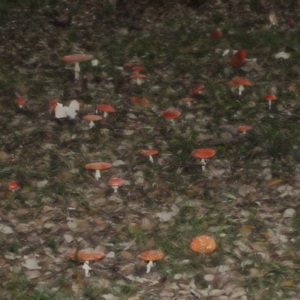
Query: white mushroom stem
241,89
91,124
172,122
203,164
151,158
86,268
105,114
97,174
77,71
270,104
149,266
115,188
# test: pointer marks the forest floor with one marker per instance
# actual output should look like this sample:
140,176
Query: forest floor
246,198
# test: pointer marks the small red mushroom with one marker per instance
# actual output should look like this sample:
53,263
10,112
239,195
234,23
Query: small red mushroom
197,90
216,34
91,119
149,153
21,102
203,154
13,186
203,244
171,114
243,128
76,59
188,101
239,82
270,98
137,69
97,167
105,108
138,79
115,183
238,58
151,256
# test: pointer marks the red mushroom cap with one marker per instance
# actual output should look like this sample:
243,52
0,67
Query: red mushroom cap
97,166
238,58
188,100
171,114
270,97
137,69
151,255
73,58
198,89
139,102
91,118
138,76
86,254
13,186
115,182
203,244
203,153
216,34
105,108
243,128
149,152
237,81
20,101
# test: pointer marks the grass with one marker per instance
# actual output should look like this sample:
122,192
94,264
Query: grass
176,53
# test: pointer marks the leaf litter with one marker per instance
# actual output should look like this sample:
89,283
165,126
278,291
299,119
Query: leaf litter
247,197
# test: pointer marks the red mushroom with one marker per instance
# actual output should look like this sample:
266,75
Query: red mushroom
138,79
243,128
76,59
188,101
197,89
115,183
13,186
239,82
149,153
91,119
137,69
97,167
270,98
151,256
203,154
238,58
171,114
216,34
21,102
105,108
203,244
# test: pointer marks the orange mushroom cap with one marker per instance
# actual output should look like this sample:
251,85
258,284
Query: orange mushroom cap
20,101
216,34
188,100
149,152
139,102
91,118
243,128
97,166
203,244
86,254
105,108
238,58
237,81
203,153
171,114
198,89
151,255
137,69
270,97
13,186
115,182
73,58
138,76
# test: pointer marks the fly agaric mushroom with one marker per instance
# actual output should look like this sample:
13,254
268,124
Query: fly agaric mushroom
20,103
76,59
270,98
203,154
91,119
243,128
105,108
138,79
86,256
13,186
238,58
151,256
203,244
97,167
139,102
171,114
149,153
188,101
216,34
115,183
137,69
197,90
239,82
